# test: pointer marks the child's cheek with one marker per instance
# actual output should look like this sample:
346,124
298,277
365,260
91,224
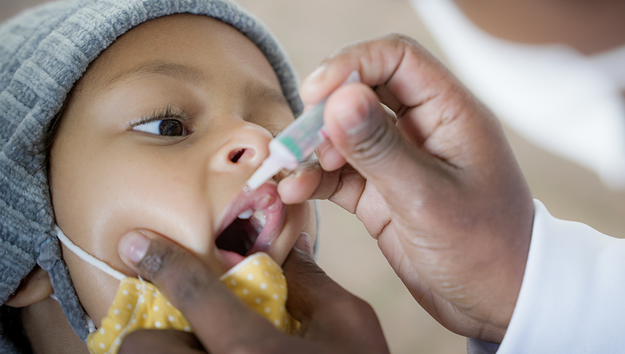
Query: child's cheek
95,289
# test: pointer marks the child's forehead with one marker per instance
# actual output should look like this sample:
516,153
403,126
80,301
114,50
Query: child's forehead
173,46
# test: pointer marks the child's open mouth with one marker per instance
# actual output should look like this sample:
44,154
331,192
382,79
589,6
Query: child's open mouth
251,223
241,235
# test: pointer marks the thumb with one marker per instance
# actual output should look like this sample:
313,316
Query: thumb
368,138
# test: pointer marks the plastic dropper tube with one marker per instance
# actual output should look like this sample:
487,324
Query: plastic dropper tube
296,143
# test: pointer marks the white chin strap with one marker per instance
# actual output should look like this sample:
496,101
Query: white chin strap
89,259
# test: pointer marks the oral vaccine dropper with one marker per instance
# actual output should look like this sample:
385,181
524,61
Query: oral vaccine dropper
296,143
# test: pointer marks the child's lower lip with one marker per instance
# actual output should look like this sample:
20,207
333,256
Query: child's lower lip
275,221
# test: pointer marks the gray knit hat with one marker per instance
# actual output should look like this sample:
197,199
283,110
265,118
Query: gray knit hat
43,52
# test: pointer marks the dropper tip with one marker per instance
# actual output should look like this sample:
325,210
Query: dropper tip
267,169
254,182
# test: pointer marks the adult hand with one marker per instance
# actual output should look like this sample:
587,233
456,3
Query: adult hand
435,182
333,320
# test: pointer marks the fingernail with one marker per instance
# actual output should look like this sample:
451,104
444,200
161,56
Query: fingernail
304,243
349,118
315,76
134,246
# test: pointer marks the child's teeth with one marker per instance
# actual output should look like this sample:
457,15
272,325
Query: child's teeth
246,214
260,216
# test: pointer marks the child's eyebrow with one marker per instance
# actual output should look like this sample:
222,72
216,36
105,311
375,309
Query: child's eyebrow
177,71
258,90
195,76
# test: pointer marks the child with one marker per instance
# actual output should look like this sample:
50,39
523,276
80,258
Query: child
124,116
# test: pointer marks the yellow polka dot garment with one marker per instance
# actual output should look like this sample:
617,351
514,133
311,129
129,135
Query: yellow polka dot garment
259,282
138,304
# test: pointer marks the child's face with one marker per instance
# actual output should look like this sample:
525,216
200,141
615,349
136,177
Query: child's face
161,134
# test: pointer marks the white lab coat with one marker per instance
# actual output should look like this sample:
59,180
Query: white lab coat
573,295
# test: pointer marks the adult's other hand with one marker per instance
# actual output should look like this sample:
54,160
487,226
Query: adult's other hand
333,320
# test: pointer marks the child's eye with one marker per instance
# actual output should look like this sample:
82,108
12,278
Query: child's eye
165,127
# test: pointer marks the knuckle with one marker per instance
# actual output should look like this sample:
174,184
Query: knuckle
401,40
376,142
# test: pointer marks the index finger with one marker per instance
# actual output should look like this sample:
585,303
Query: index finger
220,320
433,108
392,60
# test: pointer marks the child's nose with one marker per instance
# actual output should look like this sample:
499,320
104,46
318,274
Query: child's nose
244,150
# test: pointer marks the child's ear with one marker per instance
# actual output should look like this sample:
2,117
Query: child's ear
34,288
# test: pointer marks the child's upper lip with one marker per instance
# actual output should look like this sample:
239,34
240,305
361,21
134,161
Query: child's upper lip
265,199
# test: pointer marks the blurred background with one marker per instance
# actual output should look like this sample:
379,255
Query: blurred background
551,72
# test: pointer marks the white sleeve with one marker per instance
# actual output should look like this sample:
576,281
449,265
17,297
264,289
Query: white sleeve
573,295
